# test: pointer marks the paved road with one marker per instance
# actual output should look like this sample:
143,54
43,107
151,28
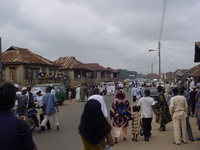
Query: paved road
68,139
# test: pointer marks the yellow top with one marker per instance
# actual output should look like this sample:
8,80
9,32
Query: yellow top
88,146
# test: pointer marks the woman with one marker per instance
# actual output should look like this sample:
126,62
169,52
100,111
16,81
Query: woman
120,113
164,116
94,127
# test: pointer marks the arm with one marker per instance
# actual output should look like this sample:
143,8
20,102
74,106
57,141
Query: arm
55,103
110,139
56,107
35,148
154,110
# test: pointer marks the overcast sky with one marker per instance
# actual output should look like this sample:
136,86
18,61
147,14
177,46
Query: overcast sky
113,33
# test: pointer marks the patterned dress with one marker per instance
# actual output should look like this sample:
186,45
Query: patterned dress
120,122
136,123
162,107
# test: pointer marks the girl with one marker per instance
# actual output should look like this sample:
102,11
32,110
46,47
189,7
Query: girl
135,123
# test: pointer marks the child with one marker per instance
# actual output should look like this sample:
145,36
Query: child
135,123
70,95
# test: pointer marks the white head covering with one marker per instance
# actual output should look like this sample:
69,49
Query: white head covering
16,85
24,88
37,90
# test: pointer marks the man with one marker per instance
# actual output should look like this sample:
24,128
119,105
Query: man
22,100
15,134
167,89
49,102
178,109
147,104
197,106
164,116
134,93
78,96
188,126
193,100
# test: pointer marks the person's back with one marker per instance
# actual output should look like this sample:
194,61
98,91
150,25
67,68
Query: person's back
15,134
134,91
48,100
10,138
179,103
146,105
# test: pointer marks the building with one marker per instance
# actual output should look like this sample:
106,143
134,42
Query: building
22,66
75,69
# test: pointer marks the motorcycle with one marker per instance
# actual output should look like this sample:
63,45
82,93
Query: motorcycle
31,117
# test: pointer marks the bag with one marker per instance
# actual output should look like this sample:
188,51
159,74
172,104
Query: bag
22,129
44,110
40,111
121,109
141,131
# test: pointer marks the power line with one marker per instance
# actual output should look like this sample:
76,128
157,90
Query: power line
174,60
180,51
163,19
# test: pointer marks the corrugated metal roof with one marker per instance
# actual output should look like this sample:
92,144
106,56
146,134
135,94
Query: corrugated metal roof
152,76
111,70
96,67
23,55
171,74
71,63
195,71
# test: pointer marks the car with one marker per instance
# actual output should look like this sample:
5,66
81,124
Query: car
153,93
60,90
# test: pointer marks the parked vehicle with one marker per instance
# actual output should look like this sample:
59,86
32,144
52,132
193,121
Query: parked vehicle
153,93
32,117
60,90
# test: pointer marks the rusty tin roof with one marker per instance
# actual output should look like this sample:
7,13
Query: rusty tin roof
96,67
71,63
23,55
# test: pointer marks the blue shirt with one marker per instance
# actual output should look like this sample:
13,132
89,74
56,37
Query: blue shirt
49,99
10,133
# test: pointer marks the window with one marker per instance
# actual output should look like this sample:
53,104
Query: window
12,74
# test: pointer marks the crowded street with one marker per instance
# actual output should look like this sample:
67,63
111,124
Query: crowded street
68,138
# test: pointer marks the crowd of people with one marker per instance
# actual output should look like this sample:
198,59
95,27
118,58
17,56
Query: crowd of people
174,105
82,92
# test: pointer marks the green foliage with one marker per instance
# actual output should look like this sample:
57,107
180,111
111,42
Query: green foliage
125,74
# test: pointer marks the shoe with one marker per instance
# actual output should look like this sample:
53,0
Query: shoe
136,140
162,129
58,128
184,142
192,140
146,139
48,128
41,129
133,139
176,143
116,141
124,139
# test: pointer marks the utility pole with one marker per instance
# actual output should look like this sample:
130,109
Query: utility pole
0,62
159,59
151,68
